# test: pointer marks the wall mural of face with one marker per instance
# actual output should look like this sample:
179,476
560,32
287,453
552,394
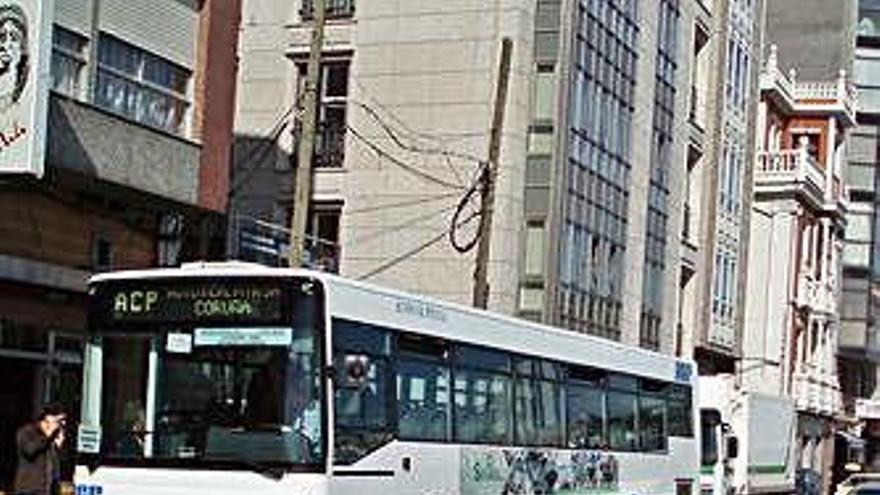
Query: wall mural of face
13,53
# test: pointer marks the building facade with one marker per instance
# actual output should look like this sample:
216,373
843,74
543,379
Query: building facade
846,39
590,195
796,256
136,175
725,46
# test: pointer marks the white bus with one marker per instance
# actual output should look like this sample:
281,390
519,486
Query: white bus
232,378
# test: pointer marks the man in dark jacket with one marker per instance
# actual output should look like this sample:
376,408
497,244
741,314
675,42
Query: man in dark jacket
38,470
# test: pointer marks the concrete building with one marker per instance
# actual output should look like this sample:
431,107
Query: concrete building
726,46
790,344
136,172
605,146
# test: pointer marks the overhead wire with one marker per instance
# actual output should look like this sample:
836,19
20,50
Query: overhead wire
401,204
393,134
412,169
408,254
407,223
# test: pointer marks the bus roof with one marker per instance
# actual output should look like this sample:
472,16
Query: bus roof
370,303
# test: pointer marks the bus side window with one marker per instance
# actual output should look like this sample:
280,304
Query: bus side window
538,398
362,404
423,388
586,416
680,403
483,396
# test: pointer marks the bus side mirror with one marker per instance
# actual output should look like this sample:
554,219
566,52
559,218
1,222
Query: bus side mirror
732,447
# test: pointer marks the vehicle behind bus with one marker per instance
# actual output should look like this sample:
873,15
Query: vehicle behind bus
746,440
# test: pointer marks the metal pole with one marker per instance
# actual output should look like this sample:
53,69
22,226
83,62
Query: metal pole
481,285
302,191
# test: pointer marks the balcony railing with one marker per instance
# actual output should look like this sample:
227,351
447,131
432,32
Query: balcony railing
330,148
816,294
827,91
794,167
335,9
838,94
815,393
268,243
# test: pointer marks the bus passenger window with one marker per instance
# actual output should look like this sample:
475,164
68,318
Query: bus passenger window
652,423
680,408
482,407
538,412
422,400
622,421
586,423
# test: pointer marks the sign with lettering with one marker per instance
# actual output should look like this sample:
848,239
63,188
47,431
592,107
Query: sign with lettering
262,336
189,301
25,54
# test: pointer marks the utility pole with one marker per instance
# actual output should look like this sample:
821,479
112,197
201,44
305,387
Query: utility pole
302,187
481,284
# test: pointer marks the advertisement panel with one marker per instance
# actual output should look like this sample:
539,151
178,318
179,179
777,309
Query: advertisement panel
25,54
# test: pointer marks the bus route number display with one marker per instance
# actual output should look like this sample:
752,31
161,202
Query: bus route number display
215,302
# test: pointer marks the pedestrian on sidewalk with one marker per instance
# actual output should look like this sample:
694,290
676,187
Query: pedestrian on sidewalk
38,444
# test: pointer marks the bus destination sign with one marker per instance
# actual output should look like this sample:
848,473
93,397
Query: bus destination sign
191,302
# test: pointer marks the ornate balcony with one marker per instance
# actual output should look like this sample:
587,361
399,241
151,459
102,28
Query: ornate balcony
817,295
836,97
815,393
790,171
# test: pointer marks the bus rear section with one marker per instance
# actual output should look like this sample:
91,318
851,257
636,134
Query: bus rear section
203,385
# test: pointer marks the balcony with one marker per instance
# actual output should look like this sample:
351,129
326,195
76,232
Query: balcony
790,171
335,9
834,97
100,145
817,295
815,393
268,243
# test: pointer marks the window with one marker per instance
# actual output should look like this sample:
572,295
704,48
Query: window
68,60
585,415
486,396
362,405
680,409
333,86
622,408
482,396
323,237
141,86
422,389
102,254
335,9
423,400
538,403
652,416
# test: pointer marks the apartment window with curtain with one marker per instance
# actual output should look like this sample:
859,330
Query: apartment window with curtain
68,61
141,86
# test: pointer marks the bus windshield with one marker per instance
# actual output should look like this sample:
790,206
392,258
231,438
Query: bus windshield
219,372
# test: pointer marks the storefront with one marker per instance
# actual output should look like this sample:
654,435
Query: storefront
41,336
